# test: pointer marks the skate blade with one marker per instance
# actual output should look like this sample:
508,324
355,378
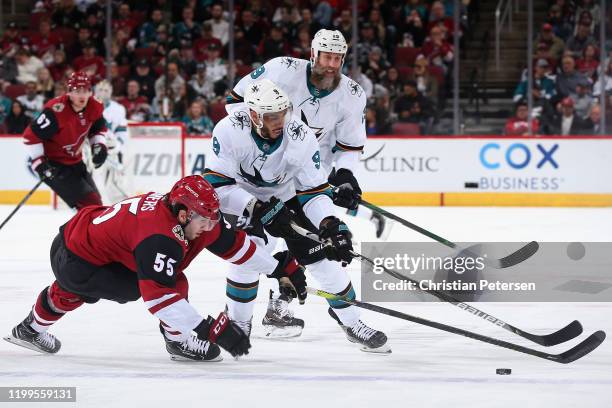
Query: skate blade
273,332
25,344
387,230
383,350
189,360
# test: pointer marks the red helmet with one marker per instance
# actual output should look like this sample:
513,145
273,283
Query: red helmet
79,79
197,195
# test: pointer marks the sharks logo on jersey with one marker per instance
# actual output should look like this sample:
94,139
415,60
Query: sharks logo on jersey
296,130
289,63
354,88
317,130
257,180
240,119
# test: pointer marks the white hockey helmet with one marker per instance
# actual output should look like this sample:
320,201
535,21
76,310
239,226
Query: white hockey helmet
264,96
328,41
103,91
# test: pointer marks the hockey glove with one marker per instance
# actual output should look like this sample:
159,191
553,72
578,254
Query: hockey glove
99,152
45,170
337,238
225,333
347,193
275,217
290,275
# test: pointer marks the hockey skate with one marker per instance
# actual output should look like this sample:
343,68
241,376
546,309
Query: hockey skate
382,225
192,349
25,336
371,340
279,322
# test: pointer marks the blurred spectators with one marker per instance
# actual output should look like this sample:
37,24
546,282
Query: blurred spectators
413,107
426,83
200,84
273,46
11,40
174,82
541,80
301,48
8,70
376,64
588,10
145,78
16,121
59,65
67,14
27,66
439,19
547,41
147,35
437,50
606,80
5,107
414,30
589,62
136,106
562,22
216,67
583,99
518,125
323,13
220,27
344,24
568,78
187,29
196,121
253,31
567,122
45,84
44,42
392,83
578,42
31,101
90,63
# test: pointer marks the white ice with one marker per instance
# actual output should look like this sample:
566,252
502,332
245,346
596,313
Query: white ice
115,355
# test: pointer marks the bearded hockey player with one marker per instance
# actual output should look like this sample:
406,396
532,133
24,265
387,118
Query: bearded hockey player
110,177
141,247
55,139
266,167
333,106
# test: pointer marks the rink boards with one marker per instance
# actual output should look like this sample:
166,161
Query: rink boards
427,171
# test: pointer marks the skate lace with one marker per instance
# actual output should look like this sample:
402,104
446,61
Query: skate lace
362,331
281,307
46,339
196,345
245,326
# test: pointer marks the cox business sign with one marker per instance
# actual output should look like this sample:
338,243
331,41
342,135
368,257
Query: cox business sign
486,165
519,166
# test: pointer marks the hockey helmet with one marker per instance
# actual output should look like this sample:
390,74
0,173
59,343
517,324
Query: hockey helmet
264,96
79,79
328,41
197,195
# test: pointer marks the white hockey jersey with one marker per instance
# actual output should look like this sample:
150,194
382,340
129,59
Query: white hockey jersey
337,118
116,122
243,165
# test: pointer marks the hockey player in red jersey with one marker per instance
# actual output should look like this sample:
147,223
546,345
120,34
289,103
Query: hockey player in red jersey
55,139
140,247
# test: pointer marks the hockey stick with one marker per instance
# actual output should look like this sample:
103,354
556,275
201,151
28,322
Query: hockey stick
572,330
580,350
514,258
22,202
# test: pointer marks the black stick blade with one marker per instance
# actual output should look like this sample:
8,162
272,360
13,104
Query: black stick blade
518,256
581,349
572,330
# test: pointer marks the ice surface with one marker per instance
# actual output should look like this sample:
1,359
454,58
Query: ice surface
115,356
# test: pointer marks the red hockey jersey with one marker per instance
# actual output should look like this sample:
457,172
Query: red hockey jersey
143,234
59,132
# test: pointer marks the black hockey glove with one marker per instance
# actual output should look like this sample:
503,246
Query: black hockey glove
46,170
337,237
346,193
275,217
99,152
225,333
289,269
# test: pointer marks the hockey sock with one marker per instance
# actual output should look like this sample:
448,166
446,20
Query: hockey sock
53,303
241,299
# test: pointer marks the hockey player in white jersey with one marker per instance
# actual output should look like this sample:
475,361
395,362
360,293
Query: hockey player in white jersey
266,167
333,106
111,177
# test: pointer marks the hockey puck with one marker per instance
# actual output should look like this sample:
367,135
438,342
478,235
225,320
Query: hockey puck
503,371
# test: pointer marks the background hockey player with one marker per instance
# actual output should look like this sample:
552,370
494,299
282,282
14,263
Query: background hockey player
332,105
263,157
55,139
140,247
110,177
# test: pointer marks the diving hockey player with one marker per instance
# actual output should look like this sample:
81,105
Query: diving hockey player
333,106
55,139
140,247
266,167
110,177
